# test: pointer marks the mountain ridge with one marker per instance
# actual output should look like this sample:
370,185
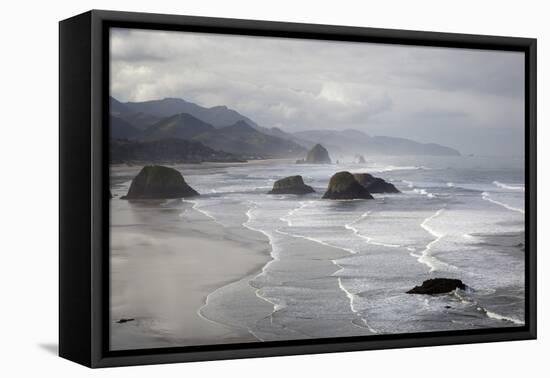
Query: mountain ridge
144,115
217,116
361,142
166,150
182,125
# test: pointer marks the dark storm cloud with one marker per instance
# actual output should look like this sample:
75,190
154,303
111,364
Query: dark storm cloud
304,84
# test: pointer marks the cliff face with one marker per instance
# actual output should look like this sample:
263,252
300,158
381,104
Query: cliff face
158,182
343,185
291,185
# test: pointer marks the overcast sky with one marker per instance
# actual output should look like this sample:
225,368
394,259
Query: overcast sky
468,99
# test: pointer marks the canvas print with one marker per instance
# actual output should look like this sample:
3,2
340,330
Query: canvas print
272,189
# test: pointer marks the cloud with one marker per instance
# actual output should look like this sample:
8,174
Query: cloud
307,84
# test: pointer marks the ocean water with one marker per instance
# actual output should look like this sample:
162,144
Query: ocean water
342,268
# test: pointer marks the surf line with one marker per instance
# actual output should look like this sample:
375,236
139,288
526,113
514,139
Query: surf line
272,252
425,257
274,257
489,314
369,240
200,311
197,208
287,219
289,223
501,185
487,197
350,296
249,278
417,190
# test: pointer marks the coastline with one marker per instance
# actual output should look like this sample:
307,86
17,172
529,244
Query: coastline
332,271
206,164
166,258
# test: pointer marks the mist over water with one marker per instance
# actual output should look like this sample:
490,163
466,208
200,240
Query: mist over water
342,268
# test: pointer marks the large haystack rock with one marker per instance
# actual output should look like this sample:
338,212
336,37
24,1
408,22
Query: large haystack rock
291,185
343,185
318,155
159,182
375,184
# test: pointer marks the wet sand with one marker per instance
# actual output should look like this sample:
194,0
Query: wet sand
165,259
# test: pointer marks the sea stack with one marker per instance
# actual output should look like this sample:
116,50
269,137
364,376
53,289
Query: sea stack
360,159
318,155
438,286
375,184
291,185
159,182
343,185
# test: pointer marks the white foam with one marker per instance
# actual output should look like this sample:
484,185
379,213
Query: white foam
518,187
420,191
351,297
246,224
390,168
369,240
273,253
486,196
423,192
496,316
408,183
198,209
348,294
200,311
287,219
349,250
425,257
490,314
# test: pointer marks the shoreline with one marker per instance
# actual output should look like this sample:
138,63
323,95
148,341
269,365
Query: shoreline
204,164
267,322
162,292
241,288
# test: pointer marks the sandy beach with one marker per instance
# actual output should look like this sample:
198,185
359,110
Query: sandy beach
237,264
166,258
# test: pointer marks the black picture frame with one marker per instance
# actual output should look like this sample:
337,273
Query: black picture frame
84,201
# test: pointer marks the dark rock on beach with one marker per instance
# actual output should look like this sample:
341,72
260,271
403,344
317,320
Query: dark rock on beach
343,185
438,286
318,155
291,185
159,182
125,320
375,184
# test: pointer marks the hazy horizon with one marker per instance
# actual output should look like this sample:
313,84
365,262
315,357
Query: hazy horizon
471,100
